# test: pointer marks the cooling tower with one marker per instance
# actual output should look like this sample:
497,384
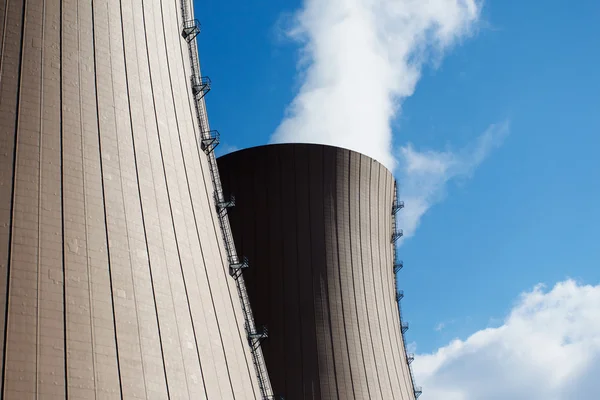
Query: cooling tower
316,223
114,276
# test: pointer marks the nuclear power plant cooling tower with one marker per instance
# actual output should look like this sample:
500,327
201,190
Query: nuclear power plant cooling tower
114,258
317,225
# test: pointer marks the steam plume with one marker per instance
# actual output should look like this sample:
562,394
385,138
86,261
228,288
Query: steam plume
360,59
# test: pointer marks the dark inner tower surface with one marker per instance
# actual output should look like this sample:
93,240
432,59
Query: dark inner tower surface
316,224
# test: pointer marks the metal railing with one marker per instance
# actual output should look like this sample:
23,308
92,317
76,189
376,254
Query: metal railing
410,357
397,206
191,28
209,139
398,265
397,234
417,389
200,86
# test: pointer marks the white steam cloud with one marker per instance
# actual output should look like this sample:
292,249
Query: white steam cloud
548,348
361,58
425,175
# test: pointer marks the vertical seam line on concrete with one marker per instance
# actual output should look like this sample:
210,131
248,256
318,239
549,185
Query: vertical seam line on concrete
350,195
39,244
112,299
221,253
312,288
377,297
339,267
254,221
244,346
89,274
281,274
387,368
268,177
390,284
389,252
382,265
228,288
12,202
382,274
222,263
281,216
2,52
298,268
162,238
162,352
363,273
171,213
193,213
241,244
192,112
327,280
62,204
139,196
169,201
298,265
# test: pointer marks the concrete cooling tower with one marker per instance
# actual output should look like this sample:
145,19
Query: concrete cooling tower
114,259
317,224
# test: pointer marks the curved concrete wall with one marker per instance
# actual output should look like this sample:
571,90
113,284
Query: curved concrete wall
316,224
113,276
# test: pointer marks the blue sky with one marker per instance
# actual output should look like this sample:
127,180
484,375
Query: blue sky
526,212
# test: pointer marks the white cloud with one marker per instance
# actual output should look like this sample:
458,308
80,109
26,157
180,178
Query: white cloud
440,326
423,176
360,59
548,348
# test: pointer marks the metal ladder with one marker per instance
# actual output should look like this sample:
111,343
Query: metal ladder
208,141
396,234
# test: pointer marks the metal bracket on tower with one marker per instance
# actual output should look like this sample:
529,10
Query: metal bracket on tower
200,86
398,205
397,235
223,205
399,295
257,337
418,391
398,265
209,141
410,357
404,327
190,30
234,268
